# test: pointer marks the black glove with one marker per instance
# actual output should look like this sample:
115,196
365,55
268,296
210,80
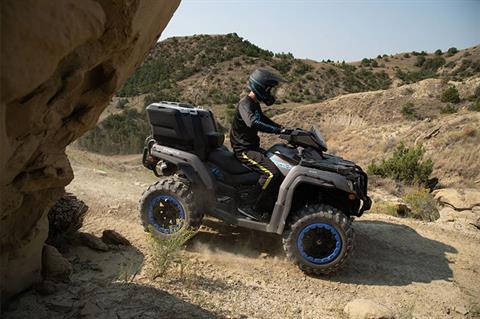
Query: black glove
286,131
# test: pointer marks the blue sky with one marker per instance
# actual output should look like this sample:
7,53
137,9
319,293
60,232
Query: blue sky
337,30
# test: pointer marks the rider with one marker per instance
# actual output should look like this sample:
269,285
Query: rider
247,122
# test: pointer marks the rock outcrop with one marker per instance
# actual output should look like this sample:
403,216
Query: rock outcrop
64,219
461,205
61,62
367,309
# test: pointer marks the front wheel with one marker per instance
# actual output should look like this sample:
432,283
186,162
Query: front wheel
319,239
168,206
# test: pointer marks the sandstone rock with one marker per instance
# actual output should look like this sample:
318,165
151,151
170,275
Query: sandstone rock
113,238
55,266
91,310
93,242
459,199
367,309
461,310
46,288
61,63
447,215
100,172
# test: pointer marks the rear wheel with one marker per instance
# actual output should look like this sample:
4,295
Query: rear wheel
318,239
168,206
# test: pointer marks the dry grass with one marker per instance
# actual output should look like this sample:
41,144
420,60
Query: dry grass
385,208
421,203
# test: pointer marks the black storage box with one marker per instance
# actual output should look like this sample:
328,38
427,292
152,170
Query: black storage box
184,127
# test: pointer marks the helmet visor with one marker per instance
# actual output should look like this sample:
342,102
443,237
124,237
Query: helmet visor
272,90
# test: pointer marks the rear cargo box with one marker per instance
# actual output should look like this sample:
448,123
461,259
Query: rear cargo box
181,126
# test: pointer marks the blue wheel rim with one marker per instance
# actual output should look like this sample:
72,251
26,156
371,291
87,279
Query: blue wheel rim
334,238
179,213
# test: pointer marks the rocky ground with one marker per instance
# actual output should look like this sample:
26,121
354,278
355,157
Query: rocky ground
400,268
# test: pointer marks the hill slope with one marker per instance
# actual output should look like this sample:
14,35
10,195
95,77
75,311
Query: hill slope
367,126
212,70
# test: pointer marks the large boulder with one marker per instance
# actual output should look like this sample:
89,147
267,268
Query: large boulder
458,199
55,266
64,219
61,62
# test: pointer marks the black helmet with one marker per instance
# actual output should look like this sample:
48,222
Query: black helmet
261,82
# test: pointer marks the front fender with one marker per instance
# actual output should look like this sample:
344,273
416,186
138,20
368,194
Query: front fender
299,175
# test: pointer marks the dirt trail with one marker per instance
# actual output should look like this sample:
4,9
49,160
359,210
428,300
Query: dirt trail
419,270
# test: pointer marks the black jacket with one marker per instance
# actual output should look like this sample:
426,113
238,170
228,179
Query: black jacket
247,122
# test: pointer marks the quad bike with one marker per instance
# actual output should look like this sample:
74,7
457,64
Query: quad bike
316,202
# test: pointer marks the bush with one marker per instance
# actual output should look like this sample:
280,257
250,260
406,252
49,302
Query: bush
433,64
122,133
452,51
475,106
422,204
408,111
438,52
450,95
406,164
301,67
166,252
449,109
406,55
121,103
420,61
365,62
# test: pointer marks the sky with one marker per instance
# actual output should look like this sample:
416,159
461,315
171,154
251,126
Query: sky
336,30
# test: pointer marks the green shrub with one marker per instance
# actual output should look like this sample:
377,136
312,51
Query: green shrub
365,62
475,95
422,204
121,103
122,133
438,52
449,109
475,106
165,253
409,112
450,95
406,55
433,64
406,164
420,61
452,51
301,67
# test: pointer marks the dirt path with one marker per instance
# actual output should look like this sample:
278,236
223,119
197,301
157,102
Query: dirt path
419,270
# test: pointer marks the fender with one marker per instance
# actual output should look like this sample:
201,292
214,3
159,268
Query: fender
295,177
184,161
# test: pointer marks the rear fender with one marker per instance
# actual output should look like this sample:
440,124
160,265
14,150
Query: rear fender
188,163
297,176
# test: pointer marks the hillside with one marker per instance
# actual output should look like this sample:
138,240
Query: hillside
368,126
211,70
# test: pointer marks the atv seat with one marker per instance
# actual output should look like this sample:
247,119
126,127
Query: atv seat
226,161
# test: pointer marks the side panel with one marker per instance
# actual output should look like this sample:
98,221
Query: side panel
296,176
280,163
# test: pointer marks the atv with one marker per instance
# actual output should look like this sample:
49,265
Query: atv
316,203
